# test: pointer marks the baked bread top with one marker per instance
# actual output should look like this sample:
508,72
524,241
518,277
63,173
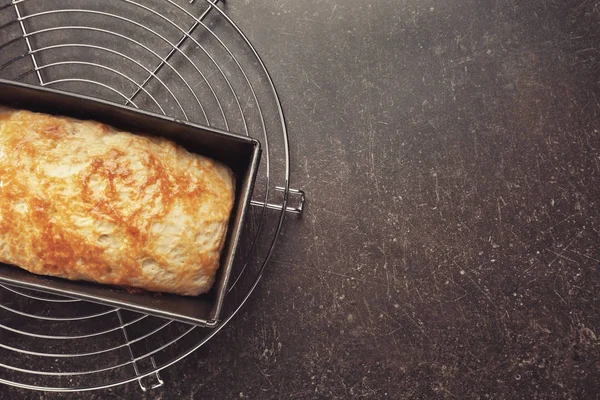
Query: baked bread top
84,201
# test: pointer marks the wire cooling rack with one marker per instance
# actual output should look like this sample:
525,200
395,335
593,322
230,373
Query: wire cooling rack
185,59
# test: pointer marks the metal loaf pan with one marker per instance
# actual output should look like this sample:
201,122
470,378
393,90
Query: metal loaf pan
240,153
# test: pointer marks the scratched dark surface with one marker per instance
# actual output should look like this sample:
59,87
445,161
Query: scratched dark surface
449,249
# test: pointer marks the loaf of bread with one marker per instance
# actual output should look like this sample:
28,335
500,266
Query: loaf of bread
83,201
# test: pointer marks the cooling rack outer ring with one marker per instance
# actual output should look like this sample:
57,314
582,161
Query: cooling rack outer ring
163,84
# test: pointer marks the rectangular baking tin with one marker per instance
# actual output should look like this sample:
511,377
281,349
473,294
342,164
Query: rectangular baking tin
240,153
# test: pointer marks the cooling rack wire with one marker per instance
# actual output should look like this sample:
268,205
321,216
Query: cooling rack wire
184,59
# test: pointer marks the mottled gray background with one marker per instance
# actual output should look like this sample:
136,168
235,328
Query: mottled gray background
449,249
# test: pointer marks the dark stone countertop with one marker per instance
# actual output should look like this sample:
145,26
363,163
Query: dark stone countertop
449,248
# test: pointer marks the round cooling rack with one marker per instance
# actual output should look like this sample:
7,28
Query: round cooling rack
186,60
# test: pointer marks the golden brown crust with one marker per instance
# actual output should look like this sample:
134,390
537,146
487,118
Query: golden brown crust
81,200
